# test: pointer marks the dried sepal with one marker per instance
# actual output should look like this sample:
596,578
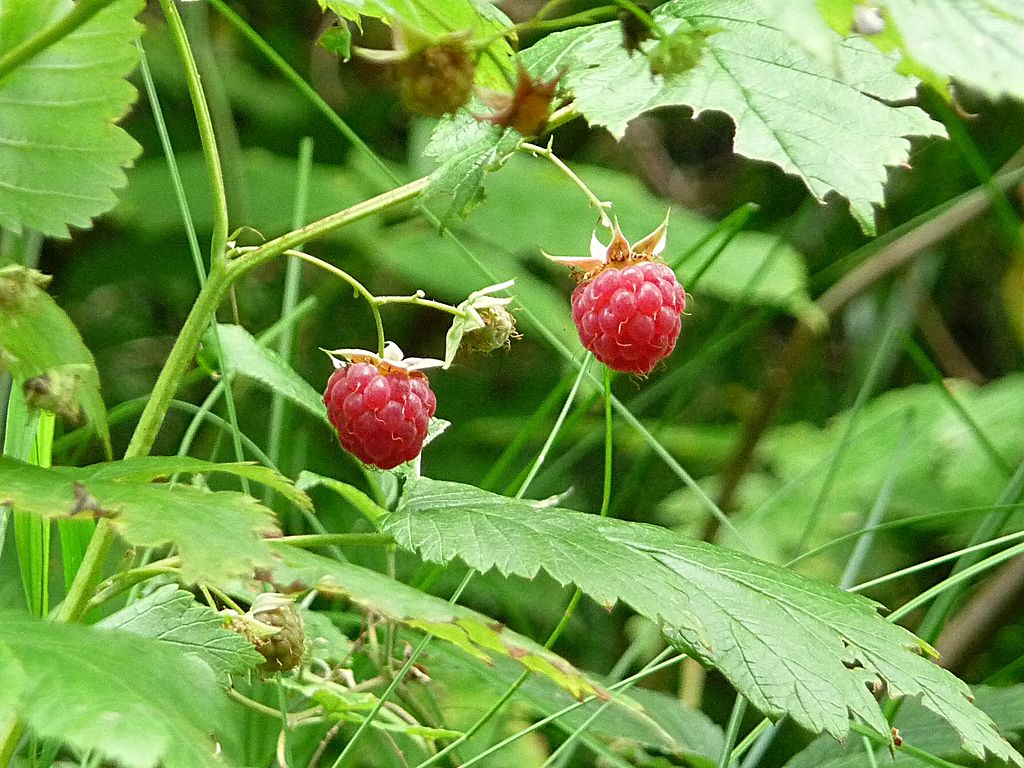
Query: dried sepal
392,360
526,109
618,253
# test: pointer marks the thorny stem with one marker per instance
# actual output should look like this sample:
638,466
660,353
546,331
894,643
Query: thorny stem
547,152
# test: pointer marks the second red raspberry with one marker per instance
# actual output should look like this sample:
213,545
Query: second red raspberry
629,317
381,415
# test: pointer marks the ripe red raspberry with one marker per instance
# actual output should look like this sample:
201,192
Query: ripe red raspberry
627,306
380,409
629,317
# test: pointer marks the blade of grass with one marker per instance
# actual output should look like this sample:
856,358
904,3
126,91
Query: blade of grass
292,279
31,534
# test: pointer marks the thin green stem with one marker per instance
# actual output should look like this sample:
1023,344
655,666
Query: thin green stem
419,299
918,567
655,665
255,257
542,456
358,287
959,578
908,749
312,540
289,300
602,206
732,730
79,14
207,136
384,697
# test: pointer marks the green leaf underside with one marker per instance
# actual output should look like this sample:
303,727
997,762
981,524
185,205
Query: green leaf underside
977,42
790,644
60,152
143,469
789,108
218,534
439,17
468,151
129,698
246,357
921,728
474,633
173,617
37,337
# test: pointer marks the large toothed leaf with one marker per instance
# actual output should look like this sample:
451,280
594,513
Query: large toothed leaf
976,42
129,699
146,468
60,152
474,633
478,18
789,108
38,339
790,644
173,617
219,535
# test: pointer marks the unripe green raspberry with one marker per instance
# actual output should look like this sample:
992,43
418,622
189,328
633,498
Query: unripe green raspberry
499,328
437,80
282,650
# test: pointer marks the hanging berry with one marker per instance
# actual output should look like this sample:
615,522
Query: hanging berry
627,305
437,80
380,405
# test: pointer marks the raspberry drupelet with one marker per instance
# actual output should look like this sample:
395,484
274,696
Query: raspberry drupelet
380,406
627,306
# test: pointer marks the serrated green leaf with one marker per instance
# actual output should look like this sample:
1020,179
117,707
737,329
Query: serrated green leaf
790,644
802,21
60,152
975,41
219,534
789,108
474,633
173,617
143,469
128,698
438,17
248,358
469,151
38,339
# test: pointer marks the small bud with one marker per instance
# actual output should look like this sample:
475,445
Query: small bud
498,331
